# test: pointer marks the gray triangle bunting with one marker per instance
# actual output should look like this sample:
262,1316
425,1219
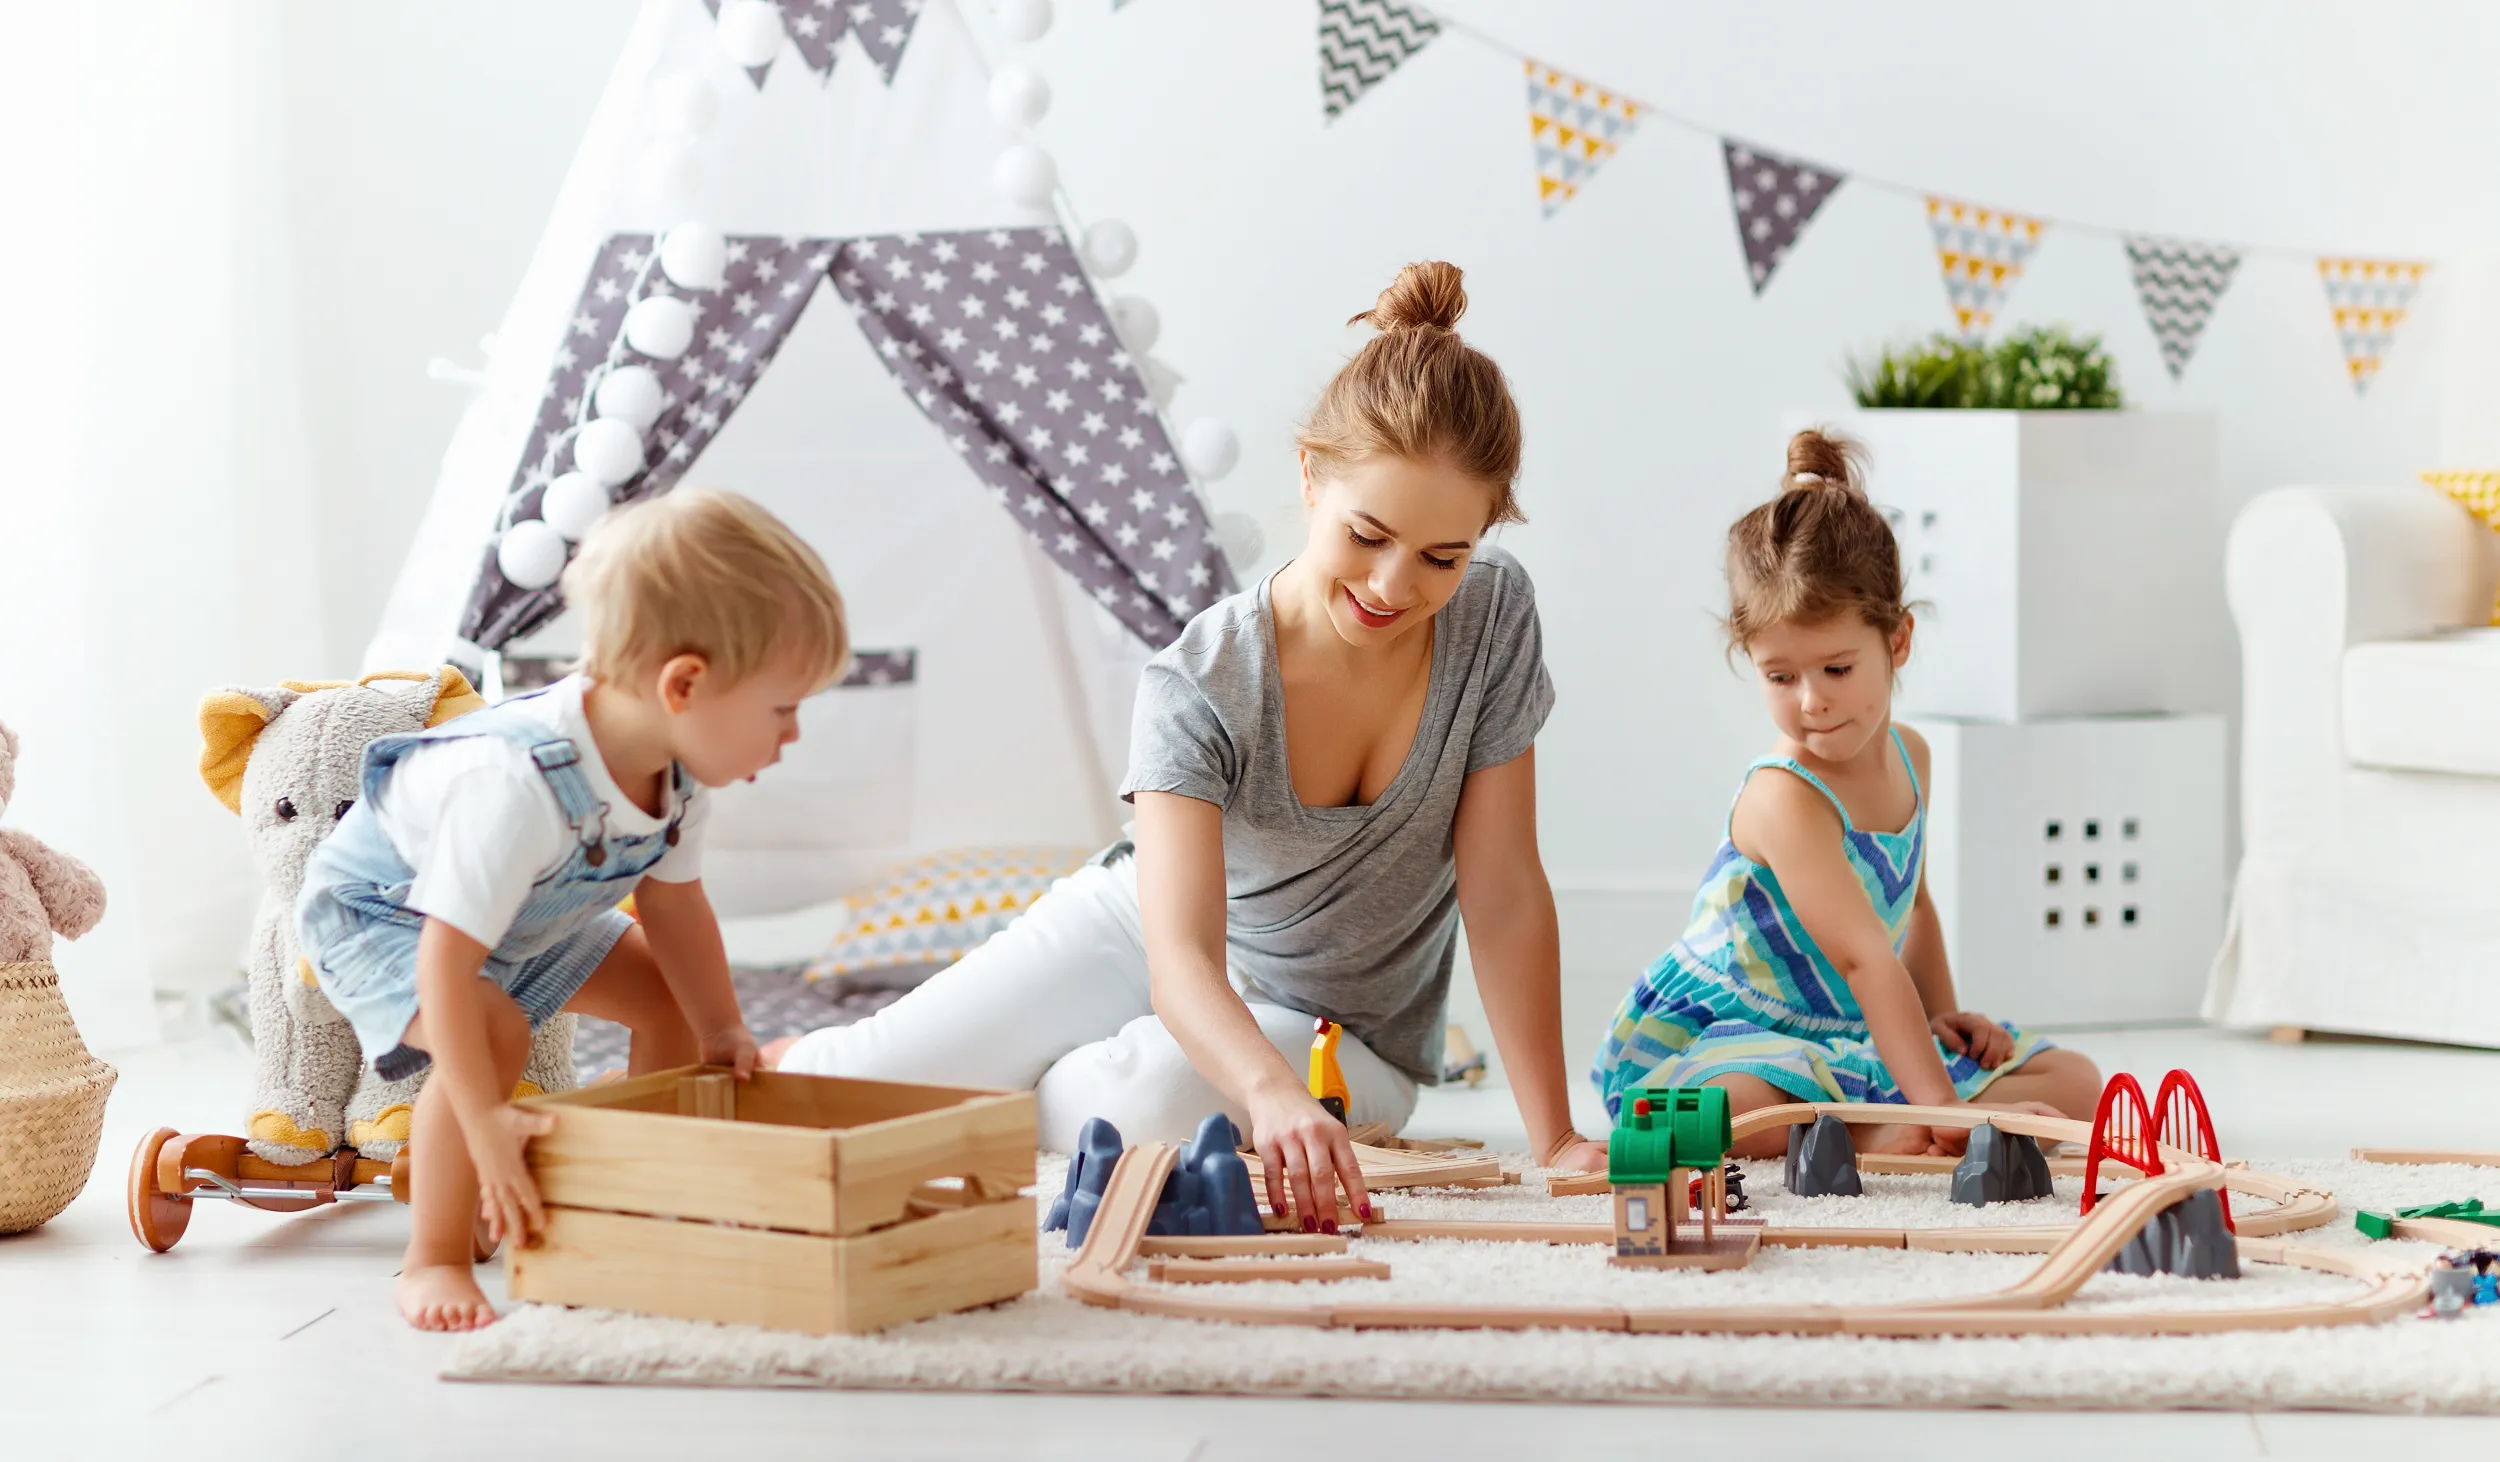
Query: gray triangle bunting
816,28
2179,283
1774,198
1361,42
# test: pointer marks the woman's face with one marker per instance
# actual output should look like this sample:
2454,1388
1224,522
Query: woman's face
1389,541
1828,684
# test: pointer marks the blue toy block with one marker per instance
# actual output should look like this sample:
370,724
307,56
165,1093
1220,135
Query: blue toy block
1089,1172
2487,1289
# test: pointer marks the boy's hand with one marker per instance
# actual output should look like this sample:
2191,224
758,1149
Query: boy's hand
733,1048
1968,1033
507,1196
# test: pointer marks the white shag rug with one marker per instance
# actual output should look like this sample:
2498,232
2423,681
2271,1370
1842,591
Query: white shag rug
1046,1341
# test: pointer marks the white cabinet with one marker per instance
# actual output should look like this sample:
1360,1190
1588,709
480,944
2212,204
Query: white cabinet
2077,863
2071,562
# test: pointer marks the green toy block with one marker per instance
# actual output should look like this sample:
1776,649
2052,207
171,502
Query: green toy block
2463,1210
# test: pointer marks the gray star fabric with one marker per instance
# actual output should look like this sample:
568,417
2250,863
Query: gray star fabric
995,334
2179,284
1774,198
1361,42
738,327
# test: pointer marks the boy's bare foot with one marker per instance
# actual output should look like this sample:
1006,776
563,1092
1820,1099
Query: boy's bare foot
442,1297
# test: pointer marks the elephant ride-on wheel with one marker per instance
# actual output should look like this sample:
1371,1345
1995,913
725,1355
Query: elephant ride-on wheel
172,1170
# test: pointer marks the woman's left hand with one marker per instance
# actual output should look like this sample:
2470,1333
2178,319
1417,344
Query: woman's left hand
1573,1153
1968,1033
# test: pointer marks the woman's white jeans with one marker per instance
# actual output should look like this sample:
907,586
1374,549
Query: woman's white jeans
1058,1003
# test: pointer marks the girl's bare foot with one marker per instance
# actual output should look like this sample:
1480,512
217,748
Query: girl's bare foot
1897,1139
442,1297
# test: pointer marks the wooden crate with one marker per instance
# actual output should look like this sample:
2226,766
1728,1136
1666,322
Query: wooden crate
811,1203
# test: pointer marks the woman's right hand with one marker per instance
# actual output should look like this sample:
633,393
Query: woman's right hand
1306,1154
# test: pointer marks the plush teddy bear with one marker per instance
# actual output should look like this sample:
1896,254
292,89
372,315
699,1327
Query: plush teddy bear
42,893
290,760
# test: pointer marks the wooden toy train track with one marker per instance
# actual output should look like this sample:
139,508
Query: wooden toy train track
1099,1274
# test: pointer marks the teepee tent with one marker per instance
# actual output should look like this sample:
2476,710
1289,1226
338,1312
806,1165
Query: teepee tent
786,261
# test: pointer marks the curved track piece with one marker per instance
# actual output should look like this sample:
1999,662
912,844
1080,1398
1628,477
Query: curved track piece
1128,1205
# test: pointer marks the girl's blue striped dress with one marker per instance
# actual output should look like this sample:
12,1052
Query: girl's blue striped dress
1746,990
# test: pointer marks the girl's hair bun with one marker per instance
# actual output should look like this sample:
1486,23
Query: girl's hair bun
1425,295
1819,459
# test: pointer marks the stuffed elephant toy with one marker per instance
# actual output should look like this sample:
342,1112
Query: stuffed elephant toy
290,760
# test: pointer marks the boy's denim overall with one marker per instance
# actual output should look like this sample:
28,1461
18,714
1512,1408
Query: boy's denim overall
361,938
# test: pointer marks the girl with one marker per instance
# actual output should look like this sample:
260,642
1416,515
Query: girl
1814,969
1330,769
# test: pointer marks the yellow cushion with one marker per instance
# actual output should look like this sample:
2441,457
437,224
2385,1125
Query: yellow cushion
2478,493
934,910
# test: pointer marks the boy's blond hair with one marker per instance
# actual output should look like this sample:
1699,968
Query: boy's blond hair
704,572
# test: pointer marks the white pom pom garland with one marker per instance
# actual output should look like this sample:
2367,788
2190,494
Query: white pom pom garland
1023,20
1110,248
750,31
1140,326
573,505
632,394
661,326
607,451
1025,174
1019,97
1209,448
530,554
694,256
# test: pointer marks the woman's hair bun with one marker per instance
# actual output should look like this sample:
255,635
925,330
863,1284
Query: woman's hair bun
1425,294
1818,458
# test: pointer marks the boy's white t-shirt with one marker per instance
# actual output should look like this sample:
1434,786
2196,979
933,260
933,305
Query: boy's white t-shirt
477,820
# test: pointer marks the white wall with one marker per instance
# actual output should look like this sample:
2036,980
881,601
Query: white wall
425,141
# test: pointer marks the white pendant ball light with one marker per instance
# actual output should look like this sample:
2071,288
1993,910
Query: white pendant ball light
1023,20
1025,174
660,327
1238,536
1110,248
531,554
632,395
750,32
573,505
1139,325
694,256
672,177
607,451
683,104
1209,448
1019,97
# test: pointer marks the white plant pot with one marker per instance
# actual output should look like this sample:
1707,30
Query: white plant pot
2077,864
2071,561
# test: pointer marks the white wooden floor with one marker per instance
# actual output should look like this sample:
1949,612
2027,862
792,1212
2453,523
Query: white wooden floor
269,1337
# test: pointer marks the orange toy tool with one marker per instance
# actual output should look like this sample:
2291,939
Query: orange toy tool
1327,1081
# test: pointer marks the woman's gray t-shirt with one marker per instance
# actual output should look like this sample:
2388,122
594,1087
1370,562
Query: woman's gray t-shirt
1346,912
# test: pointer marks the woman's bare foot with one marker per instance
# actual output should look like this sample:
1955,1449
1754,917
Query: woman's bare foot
442,1297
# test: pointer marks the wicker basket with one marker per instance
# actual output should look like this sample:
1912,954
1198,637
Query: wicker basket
52,1093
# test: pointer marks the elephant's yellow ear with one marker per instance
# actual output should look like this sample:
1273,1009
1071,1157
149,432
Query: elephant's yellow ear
453,696
230,724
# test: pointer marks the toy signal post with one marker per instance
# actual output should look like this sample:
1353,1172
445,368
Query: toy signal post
1326,1080
1663,1140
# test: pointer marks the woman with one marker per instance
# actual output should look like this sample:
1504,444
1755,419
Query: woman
1329,769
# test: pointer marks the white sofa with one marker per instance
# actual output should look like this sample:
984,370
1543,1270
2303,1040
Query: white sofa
2368,896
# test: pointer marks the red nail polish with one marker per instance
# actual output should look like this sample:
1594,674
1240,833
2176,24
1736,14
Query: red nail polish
1328,1225
1310,1225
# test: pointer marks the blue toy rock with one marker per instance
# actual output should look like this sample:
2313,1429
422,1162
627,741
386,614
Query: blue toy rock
1207,1194
1089,1172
